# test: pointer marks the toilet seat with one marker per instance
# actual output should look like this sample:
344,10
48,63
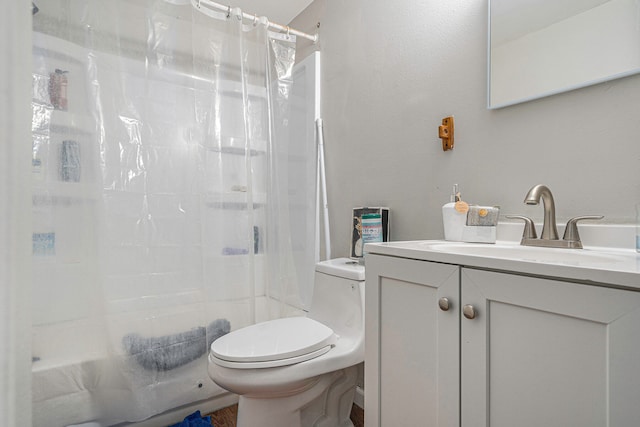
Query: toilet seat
278,342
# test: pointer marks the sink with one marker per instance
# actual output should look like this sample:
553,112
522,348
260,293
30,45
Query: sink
513,251
610,258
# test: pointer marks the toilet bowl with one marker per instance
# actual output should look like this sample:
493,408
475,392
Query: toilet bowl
299,371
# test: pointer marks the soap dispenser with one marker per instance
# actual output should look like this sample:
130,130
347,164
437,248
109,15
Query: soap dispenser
454,216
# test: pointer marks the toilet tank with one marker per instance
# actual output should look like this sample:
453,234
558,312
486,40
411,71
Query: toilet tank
338,296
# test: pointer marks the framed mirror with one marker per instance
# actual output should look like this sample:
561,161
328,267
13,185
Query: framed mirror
539,48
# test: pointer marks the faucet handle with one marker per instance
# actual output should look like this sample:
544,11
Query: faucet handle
529,227
571,230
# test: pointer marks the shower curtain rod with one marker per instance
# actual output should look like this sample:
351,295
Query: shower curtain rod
198,4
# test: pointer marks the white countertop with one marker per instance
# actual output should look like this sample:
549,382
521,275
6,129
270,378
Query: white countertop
599,263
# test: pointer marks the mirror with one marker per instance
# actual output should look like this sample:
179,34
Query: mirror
539,48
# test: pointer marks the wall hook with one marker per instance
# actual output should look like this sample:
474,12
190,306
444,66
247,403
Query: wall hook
445,132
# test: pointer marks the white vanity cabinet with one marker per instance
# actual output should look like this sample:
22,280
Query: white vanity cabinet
535,352
412,370
544,352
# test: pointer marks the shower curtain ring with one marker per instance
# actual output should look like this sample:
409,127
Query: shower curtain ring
228,12
288,29
255,19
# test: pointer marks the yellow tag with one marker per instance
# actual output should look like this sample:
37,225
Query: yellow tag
483,212
462,207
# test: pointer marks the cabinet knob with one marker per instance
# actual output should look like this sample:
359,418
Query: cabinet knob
443,303
469,312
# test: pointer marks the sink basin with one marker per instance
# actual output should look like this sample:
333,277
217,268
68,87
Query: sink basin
526,253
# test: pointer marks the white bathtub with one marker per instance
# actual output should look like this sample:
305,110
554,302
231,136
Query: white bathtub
74,382
67,394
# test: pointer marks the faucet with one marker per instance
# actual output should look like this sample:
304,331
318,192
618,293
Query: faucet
549,229
549,237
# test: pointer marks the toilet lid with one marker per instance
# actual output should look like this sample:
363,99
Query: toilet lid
269,363
286,339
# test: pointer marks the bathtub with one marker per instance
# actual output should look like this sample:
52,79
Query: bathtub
72,392
76,379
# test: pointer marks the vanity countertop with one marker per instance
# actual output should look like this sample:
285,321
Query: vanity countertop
613,266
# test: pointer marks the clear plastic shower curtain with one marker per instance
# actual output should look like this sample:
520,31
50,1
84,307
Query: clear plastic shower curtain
160,171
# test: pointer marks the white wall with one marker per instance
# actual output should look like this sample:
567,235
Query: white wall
393,70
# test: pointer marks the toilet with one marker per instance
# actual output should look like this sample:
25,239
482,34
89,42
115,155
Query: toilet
299,371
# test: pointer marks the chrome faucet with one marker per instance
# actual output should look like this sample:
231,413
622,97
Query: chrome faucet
549,237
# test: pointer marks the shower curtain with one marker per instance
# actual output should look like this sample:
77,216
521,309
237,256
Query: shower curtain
161,201
15,224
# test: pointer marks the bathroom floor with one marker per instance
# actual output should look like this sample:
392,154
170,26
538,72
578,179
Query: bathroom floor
226,417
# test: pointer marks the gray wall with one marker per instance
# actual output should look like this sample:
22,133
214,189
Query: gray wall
393,70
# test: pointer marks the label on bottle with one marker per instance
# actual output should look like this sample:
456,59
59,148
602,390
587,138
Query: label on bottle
462,207
58,89
44,244
37,165
70,161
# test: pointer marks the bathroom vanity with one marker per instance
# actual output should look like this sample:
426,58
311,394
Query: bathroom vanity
501,335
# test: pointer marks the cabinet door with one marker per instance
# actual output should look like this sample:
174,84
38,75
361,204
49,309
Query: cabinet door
548,353
412,346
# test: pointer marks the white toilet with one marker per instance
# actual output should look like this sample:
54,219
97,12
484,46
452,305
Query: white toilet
299,371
